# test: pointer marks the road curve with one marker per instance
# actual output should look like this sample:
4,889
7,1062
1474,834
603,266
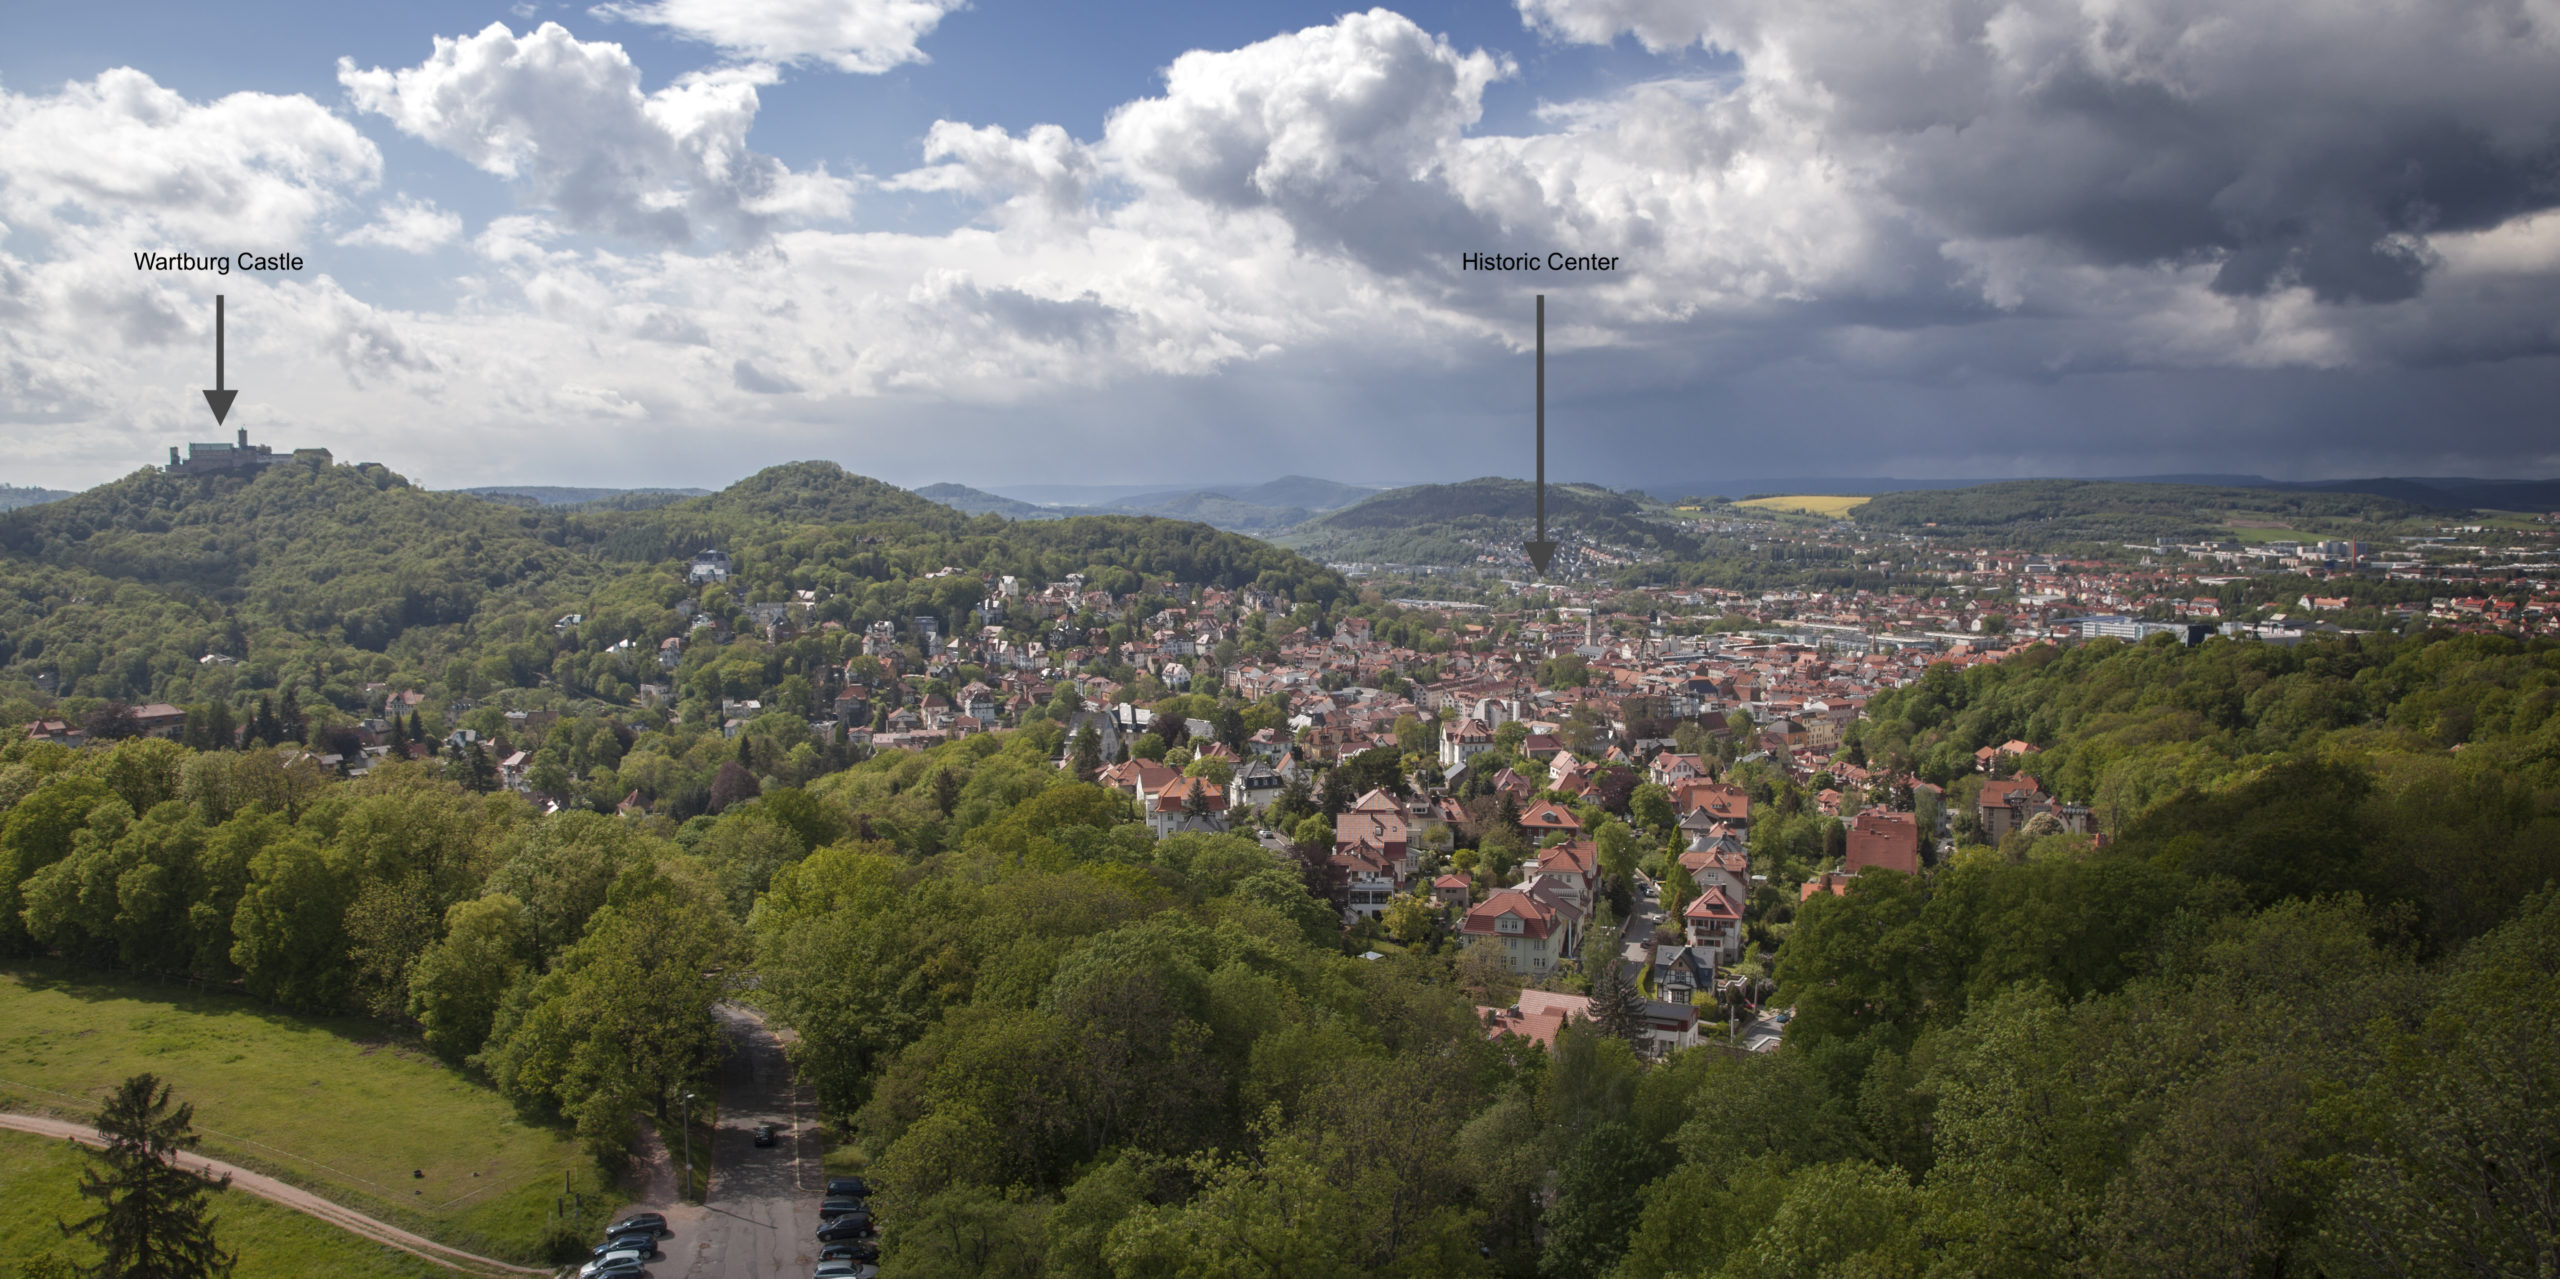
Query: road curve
294,1197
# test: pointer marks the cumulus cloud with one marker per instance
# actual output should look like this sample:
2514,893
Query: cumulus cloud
862,36
409,225
1344,131
568,119
121,154
1877,218
1044,175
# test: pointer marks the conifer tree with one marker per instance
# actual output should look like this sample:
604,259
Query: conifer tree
151,1221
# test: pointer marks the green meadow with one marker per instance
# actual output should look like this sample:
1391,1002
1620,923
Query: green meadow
330,1104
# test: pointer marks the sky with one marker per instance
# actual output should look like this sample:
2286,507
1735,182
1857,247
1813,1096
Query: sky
1014,242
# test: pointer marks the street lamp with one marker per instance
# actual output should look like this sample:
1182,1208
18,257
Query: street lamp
684,1121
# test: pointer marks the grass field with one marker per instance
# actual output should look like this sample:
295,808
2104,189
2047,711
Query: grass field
333,1105
38,1177
1808,504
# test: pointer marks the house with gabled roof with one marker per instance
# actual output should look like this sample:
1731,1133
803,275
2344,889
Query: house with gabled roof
1463,740
1188,804
1713,920
1571,868
1536,929
1547,815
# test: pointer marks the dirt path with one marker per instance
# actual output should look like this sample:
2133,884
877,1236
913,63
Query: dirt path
294,1197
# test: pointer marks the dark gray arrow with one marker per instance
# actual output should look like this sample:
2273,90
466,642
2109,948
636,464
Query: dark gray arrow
219,399
1541,551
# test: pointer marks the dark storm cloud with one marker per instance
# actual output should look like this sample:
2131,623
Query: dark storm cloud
2312,142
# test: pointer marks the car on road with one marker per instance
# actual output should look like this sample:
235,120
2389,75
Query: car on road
847,1188
834,1208
765,1132
846,1270
858,1251
649,1221
851,1226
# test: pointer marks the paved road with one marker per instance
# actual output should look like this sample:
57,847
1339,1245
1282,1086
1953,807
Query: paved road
291,1196
762,1217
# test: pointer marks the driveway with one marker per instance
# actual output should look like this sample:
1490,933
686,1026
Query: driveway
762,1215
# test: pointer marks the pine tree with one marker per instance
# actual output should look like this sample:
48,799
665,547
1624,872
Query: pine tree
1087,756
1616,1007
151,1221
294,727
264,728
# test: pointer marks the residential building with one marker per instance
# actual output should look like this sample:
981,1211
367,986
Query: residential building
1463,740
1537,931
1880,840
1188,804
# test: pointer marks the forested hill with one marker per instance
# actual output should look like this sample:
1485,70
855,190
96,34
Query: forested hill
1453,524
2043,513
335,576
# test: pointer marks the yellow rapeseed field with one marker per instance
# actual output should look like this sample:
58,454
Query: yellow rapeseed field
1810,504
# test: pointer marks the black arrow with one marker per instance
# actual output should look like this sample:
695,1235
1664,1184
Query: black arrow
1541,551
218,398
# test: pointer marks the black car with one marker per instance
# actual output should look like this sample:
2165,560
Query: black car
862,1251
847,1187
847,1228
834,1208
765,1132
644,1242
652,1222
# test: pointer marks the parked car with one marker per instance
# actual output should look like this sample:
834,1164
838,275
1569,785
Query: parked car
847,1187
858,1251
846,1270
834,1208
614,1265
649,1221
851,1226
644,1242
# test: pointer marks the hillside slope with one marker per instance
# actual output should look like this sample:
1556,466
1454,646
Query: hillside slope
2045,512
1484,521
329,578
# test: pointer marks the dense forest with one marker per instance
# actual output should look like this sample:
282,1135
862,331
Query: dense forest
2296,1014
324,580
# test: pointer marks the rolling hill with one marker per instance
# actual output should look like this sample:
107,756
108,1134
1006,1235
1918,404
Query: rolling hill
961,497
334,576
1460,524
2046,512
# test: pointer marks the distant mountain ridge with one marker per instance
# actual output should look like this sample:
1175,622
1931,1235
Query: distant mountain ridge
559,495
2042,513
1256,508
1457,524
2442,492
962,498
13,497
